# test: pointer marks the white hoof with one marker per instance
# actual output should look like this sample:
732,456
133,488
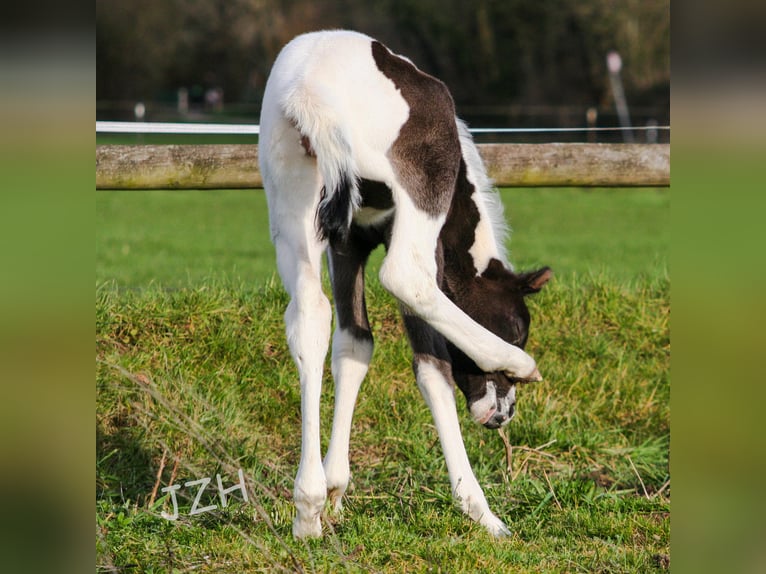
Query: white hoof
495,526
307,528
534,376
335,496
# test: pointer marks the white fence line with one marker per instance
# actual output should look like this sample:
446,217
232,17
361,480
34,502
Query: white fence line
245,129
175,128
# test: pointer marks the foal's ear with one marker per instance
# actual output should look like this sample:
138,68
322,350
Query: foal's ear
533,281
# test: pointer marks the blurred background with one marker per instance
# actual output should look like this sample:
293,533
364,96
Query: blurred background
515,63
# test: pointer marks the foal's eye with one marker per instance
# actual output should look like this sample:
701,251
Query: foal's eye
519,339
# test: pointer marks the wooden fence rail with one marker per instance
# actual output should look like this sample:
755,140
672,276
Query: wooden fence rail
509,165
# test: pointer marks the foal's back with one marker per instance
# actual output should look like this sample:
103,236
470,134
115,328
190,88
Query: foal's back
361,112
329,83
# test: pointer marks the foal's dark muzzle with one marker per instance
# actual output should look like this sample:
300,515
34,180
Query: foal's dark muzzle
500,419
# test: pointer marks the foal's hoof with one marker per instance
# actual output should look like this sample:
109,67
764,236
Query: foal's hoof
496,527
534,376
311,528
335,496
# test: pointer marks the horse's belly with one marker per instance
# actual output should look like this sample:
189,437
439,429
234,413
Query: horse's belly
371,217
377,205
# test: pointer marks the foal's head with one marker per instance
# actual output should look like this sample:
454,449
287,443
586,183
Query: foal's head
495,300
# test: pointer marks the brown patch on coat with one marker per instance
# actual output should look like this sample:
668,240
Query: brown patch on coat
427,152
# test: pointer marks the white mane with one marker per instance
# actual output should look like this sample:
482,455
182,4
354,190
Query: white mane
490,205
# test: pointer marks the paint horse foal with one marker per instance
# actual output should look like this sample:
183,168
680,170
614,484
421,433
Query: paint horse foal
357,148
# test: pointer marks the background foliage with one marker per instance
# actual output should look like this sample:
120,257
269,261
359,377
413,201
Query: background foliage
521,52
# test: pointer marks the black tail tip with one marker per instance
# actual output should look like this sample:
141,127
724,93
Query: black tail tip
334,212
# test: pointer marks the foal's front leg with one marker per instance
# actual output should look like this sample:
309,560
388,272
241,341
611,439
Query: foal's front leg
433,378
409,273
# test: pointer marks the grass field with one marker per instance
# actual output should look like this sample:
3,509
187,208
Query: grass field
194,380
187,238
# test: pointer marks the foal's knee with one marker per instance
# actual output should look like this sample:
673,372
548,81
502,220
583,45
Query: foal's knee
416,290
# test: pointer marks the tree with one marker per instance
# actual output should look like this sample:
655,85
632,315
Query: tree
487,51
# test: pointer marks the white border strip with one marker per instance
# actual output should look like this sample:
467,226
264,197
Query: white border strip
244,129
554,130
175,128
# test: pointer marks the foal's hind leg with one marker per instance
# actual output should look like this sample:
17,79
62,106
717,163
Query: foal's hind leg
293,192
307,322
351,354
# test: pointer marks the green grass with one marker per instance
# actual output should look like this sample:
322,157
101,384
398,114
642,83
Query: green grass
180,238
191,363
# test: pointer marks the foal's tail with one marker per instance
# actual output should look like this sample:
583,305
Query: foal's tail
323,135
